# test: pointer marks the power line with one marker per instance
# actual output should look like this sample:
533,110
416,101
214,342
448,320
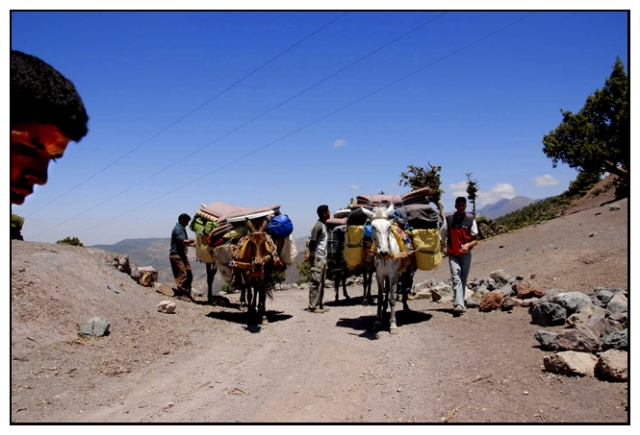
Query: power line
307,125
248,122
188,114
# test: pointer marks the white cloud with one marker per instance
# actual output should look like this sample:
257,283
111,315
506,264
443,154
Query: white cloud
497,192
339,143
355,187
545,180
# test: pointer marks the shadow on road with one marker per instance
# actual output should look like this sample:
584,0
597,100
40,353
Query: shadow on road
251,320
365,323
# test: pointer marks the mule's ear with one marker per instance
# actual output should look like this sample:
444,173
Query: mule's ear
250,225
264,225
369,213
388,211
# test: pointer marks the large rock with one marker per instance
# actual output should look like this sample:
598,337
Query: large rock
524,291
618,304
548,314
500,277
571,363
611,326
492,301
547,339
94,327
506,290
613,365
616,340
596,323
622,318
580,339
474,300
572,301
168,307
441,291
508,304
582,316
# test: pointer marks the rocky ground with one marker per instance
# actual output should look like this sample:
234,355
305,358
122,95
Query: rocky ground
209,364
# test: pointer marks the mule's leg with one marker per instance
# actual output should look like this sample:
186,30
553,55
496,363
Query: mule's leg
211,273
380,280
262,310
343,276
393,284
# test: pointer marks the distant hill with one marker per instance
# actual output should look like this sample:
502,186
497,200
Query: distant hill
155,252
504,206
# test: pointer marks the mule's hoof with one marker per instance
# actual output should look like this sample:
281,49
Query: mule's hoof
393,329
265,321
405,307
365,302
376,326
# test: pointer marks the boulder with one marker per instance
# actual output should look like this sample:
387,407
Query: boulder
572,301
508,304
611,326
571,363
474,300
616,340
596,324
581,317
491,301
622,318
441,291
548,314
580,339
525,291
506,290
94,327
167,307
500,277
547,339
618,303
613,365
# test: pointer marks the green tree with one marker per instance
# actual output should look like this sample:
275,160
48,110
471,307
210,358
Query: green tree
74,241
472,191
417,178
16,227
597,138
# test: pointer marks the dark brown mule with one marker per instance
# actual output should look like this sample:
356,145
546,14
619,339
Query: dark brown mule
255,261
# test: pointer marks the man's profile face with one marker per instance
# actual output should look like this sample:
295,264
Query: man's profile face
33,145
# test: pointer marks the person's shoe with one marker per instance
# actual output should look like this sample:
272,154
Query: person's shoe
458,309
411,298
324,309
316,310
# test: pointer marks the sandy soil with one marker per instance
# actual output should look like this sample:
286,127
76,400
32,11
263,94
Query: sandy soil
209,364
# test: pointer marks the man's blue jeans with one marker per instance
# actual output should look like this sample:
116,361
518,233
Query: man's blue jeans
459,267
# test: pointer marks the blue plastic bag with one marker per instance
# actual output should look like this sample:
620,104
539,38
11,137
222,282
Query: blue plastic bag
280,226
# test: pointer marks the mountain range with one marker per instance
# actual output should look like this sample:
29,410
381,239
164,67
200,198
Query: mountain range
155,252
504,206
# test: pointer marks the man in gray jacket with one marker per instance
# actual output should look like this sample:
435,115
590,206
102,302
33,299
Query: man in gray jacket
317,258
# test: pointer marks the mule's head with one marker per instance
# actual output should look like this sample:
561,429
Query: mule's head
381,229
257,251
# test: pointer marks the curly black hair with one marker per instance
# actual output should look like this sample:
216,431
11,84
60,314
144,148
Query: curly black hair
40,93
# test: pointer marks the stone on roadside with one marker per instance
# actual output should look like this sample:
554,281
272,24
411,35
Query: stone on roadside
616,340
508,304
500,277
571,363
572,301
168,307
492,301
441,291
613,365
474,300
548,314
582,316
165,290
547,339
94,327
618,303
580,339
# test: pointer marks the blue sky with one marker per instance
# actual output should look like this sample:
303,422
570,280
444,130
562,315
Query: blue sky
304,108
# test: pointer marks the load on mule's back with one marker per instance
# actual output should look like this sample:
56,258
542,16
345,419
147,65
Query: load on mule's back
249,247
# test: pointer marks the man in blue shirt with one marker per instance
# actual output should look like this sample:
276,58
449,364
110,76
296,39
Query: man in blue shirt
180,265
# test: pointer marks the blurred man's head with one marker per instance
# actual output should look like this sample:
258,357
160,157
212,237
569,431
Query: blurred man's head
46,114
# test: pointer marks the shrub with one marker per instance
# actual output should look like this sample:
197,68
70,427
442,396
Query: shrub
74,241
16,227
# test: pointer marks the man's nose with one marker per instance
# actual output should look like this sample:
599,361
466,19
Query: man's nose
37,173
